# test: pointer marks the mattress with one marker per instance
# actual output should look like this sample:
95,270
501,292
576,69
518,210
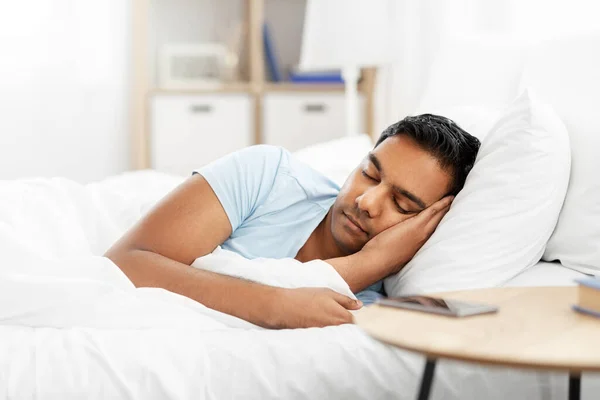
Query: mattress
546,274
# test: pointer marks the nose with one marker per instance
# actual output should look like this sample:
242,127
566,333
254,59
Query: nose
370,202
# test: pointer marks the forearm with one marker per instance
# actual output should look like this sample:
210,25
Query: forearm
244,299
359,270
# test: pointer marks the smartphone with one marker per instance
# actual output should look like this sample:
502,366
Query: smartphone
453,308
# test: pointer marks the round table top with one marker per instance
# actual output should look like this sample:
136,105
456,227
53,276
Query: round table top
535,327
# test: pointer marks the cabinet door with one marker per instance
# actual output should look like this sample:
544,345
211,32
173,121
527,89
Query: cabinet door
189,131
296,120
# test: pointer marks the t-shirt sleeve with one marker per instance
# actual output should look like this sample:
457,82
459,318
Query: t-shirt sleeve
243,180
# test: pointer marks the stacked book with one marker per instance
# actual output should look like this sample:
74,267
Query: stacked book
327,76
589,297
295,75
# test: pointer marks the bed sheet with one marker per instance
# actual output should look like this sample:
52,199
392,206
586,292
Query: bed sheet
546,274
190,357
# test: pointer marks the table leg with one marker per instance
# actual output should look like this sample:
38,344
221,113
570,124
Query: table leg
426,380
574,386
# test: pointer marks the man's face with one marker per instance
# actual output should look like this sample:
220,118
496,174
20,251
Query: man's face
394,182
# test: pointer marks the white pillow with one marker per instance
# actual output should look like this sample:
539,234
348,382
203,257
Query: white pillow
336,159
566,72
499,223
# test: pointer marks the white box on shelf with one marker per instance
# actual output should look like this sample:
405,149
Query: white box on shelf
189,65
189,131
295,120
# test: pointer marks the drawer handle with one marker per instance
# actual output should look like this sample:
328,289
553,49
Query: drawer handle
201,108
315,108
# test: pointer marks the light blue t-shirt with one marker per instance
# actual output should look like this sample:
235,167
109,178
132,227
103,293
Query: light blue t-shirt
273,201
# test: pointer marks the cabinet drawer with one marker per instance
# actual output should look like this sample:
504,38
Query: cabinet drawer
296,120
188,131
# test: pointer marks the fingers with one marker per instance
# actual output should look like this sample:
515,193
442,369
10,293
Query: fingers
440,206
344,317
434,210
435,220
348,318
345,301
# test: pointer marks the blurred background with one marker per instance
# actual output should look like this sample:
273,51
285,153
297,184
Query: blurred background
90,89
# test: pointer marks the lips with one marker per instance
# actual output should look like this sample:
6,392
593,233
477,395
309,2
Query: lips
355,223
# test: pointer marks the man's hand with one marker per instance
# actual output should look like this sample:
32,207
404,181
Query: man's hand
391,249
397,245
310,307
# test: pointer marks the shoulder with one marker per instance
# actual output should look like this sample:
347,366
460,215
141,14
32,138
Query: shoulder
251,165
276,160
266,151
312,182
260,155
260,169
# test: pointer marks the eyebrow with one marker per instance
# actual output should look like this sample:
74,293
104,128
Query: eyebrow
397,189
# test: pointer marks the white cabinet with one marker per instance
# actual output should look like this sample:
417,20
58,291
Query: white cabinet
188,131
295,120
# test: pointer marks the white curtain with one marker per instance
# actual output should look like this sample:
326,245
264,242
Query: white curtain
419,26
63,88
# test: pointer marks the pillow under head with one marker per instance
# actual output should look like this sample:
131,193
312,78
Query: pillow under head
500,222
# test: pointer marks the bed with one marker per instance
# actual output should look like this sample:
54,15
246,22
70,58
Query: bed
188,356
72,326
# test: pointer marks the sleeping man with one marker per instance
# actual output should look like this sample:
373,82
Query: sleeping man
261,202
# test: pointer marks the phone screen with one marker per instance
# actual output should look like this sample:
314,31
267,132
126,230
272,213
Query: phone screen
438,305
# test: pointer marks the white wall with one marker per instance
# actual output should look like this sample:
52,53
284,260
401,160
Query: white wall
422,24
64,88
419,27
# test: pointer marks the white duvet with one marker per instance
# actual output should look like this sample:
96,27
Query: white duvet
73,326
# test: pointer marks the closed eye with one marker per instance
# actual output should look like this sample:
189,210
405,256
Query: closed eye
400,209
369,176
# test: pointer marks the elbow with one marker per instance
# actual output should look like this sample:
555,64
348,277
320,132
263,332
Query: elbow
128,261
116,254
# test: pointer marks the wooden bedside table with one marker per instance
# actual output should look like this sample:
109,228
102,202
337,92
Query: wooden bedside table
534,328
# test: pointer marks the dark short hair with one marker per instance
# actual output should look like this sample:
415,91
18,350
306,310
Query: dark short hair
454,148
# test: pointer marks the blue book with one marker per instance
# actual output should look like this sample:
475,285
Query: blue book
589,297
316,76
587,311
271,57
589,282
